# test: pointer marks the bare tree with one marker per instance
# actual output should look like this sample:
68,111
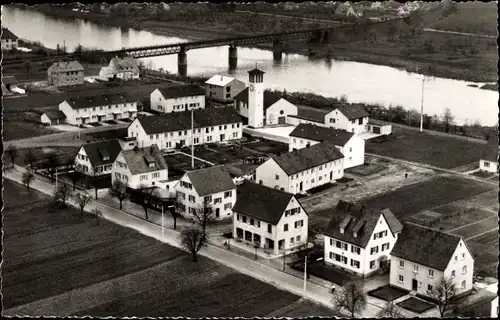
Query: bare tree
174,211
119,191
97,213
448,119
193,239
203,215
391,310
62,193
148,194
351,299
82,199
28,177
12,152
444,293
31,158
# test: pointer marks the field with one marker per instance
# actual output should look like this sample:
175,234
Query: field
426,148
266,146
63,154
472,17
58,263
13,130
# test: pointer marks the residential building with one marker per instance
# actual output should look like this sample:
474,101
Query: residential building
125,68
95,159
9,40
222,88
52,117
422,256
270,218
174,130
83,110
350,144
206,189
494,303
177,98
304,169
379,127
141,166
360,239
489,158
9,85
261,107
65,73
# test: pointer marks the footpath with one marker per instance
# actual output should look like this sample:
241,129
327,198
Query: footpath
316,290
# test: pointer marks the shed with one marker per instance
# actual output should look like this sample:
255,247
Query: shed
379,127
52,117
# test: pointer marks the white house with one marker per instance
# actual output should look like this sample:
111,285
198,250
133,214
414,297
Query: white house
269,218
83,110
206,189
494,303
121,68
222,88
261,107
141,166
350,144
9,40
379,127
359,239
422,256
304,169
489,158
52,117
177,98
173,130
95,159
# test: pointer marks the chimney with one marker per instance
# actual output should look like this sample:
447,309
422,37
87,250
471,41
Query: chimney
355,234
342,230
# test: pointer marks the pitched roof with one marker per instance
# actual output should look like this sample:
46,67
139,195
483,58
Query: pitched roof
55,114
98,101
318,133
219,80
490,152
355,218
66,66
98,150
211,180
256,71
353,111
7,34
137,162
269,98
313,114
124,63
182,91
425,246
178,121
306,158
261,202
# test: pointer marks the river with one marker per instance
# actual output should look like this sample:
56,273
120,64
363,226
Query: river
358,82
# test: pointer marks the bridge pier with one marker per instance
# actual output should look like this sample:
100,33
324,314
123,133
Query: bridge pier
182,63
233,57
277,50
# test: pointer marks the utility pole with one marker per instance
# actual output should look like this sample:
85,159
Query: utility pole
422,106
305,275
56,179
192,139
162,224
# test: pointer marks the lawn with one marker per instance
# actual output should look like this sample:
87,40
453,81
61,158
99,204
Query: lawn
59,263
426,148
485,256
452,216
472,17
415,305
267,146
209,155
366,169
388,293
477,228
14,130
483,174
64,155
179,163
326,272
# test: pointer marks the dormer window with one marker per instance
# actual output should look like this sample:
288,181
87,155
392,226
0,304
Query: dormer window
342,230
355,234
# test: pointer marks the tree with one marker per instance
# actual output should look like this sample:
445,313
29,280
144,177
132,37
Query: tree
52,162
307,249
448,119
28,177
390,311
97,213
175,213
119,191
82,199
12,152
62,193
351,299
444,293
31,158
147,195
193,239
204,215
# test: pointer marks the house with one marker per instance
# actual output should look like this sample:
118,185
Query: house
269,218
177,98
83,110
65,73
494,303
52,117
223,89
141,166
125,68
303,169
359,239
379,127
422,256
489,158
9,40
206,189
9,85
350,144
95,159
169,131
261,107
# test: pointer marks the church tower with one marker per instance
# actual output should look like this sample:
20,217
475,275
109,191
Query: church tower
256,98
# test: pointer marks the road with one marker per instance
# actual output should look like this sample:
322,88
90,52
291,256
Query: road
460,33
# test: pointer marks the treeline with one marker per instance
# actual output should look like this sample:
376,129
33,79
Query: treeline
443,123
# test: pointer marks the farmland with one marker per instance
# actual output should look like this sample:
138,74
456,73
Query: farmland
52,257
13,130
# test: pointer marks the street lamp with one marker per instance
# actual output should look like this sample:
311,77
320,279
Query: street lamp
422,105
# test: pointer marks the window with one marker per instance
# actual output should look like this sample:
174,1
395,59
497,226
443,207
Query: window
209,138
251,221
235,134
463,256
356,250
257,223
156,175
297,238
385,246
292,239
431,273
238,217
118,175
192,210
196,140
374,250
453,274
464,284
181,195
192,198
355,263
415,268
228,206
151,137
464,269
456,258
217,200
299,224
244,219
401,264
227,194
486,164
207,130
372,264
285,227
400,278
429,287
277,177
332,120
269,228
208,198
143,177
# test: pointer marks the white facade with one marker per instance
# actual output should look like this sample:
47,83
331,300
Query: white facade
278,112
121,171
489,166
188,200
47,121
117,111
160,104
494,308
271,175
168,140
82,163
256,101
359,260
296,121
420,278
222,88
338,120
8,44
289,233
380,129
